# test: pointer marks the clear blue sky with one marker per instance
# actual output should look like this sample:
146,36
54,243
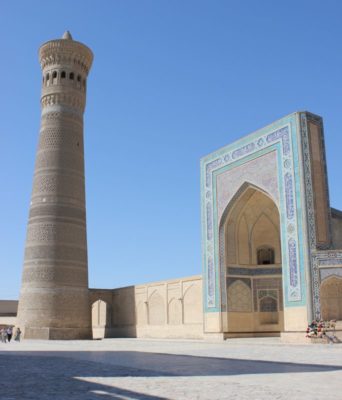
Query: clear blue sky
171,82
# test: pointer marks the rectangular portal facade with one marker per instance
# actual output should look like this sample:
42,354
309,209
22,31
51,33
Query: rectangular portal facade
268,236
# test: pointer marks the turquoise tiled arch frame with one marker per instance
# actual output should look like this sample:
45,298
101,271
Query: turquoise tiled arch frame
283,137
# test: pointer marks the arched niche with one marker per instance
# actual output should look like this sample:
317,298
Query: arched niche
250,221
192,305
156,309
239,297
100,312
250,250
101,319
331,298
141,313
175,311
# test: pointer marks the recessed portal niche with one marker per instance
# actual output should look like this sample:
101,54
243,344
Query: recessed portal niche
250,235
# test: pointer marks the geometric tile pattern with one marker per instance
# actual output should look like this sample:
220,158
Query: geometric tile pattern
253,271
315,258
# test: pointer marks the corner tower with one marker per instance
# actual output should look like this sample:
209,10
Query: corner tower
54,300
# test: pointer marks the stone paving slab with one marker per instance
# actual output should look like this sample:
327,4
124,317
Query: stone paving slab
162,369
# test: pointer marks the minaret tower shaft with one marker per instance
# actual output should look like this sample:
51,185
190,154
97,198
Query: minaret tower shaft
54,301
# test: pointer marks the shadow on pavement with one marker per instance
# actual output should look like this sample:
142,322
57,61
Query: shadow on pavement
58,375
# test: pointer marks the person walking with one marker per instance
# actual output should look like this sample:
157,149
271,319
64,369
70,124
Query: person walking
9,332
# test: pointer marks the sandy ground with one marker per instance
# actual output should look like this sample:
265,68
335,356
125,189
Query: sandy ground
164,369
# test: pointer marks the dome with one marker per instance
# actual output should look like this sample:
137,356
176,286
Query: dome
67,35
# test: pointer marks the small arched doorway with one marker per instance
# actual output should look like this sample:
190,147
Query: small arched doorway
250,257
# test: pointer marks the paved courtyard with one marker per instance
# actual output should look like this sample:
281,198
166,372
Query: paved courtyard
159,369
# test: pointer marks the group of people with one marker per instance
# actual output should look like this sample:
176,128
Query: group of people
6,334
318,329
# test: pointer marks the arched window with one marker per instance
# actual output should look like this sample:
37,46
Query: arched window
78,78
71,76
47,76
54,77
63,75
265,255
268,307
268,304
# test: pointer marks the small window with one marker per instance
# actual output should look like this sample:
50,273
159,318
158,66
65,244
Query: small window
63,75
265,256
47,77
71,76
78,78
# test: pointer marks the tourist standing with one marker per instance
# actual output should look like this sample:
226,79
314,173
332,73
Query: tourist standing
3,335
17,335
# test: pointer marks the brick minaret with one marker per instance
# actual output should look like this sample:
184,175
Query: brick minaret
54,300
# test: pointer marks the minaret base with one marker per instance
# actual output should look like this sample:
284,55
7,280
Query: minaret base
58,333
